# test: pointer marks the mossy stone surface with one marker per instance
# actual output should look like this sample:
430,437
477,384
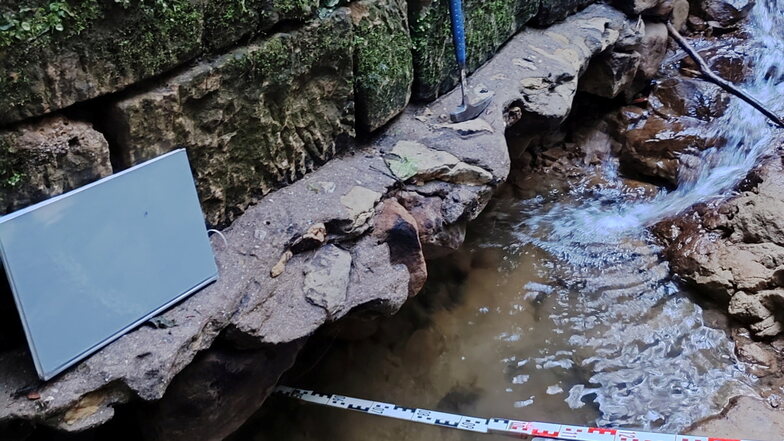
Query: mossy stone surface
254,119
551,11
383,60
101,46
489,23
228,21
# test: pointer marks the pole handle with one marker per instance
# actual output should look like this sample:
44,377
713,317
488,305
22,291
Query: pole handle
458,31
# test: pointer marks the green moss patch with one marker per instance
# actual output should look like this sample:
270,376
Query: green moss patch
489,23
383,61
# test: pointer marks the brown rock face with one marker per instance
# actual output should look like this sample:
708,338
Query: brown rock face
398,228
734,251
438,239
725,12
610,74
653,48
218,392
47,158
663,141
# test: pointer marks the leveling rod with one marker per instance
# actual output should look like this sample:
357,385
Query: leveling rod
501,426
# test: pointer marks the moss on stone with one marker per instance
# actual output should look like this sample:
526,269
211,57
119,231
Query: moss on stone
489,23
10,167
228,21
383,61
254,119
103,45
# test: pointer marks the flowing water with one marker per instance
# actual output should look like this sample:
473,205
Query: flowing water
559,307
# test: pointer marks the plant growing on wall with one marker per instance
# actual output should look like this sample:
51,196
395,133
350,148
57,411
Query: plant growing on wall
29,23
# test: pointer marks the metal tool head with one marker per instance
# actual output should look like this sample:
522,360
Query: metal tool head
473,106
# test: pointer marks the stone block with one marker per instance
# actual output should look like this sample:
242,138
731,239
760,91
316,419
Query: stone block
55,54
383,60
48,158
254,119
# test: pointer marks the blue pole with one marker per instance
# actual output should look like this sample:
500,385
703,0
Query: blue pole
458,31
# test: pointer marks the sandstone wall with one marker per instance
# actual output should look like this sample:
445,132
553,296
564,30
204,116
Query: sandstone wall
259,92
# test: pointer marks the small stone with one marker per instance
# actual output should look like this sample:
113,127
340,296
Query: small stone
313,238
327,277
281,265
748,308
360,202
757,353
467,128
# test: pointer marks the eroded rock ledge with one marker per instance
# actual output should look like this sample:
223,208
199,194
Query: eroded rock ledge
349,238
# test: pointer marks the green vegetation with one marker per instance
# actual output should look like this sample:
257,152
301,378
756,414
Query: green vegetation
117,41
489,23
10,176
280,57
384,66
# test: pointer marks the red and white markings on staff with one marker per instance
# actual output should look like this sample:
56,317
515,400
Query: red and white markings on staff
519,429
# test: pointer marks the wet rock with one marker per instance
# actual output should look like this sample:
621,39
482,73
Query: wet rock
384,65
733,251
696,24
49,157
663,143
729,60
724,12
675,97
652,49
398,228
413,160
676,11
655,148
326,279
745,417
255,119
218,392
757,353
610,74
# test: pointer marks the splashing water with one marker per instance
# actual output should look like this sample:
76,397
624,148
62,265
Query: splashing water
749,136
